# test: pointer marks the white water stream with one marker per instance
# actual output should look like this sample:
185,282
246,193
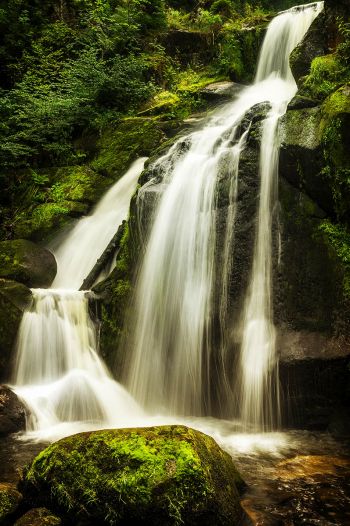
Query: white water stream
58,370
169,367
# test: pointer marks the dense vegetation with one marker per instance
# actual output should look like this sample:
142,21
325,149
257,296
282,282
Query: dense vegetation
70,68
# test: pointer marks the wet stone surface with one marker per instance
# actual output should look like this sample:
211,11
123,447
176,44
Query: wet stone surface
312,488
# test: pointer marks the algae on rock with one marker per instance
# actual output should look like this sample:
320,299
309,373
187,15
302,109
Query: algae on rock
162,476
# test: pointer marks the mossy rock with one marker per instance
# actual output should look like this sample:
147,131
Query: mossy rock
26,262
47,218
120,146
335,129
14,298
326,75
301,155
71,192
12,412
157,476
39,517
79,183
10,499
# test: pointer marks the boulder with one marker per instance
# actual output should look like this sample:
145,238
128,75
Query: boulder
39,517
14,299
12,412
301,154
26,262
10,499
161,476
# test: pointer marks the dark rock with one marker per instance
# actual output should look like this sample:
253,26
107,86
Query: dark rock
10,500
301,155
299,103
316,394
14,299
26,262
38,517
160,476
313,45
12,412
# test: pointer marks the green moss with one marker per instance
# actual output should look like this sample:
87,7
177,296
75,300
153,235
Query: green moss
10,499
335,129
165,476
338,238
122,144
164,102
78,183
326,75
69,192
46,218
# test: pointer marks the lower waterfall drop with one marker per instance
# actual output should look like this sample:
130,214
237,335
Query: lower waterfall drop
58,371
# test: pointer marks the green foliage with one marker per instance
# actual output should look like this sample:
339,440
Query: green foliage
326,75
338,237
335,139
230,57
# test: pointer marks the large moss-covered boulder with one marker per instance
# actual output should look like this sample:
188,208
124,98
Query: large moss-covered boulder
26,262
155,476
39,517
10,499
69,192
14,299
12,412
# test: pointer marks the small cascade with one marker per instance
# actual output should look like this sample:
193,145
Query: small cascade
58,371
77,252
258,375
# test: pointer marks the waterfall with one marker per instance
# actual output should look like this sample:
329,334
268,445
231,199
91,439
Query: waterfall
258,361
58,371
169,355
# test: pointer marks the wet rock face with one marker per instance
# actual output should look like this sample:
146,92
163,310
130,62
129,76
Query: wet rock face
12,412
28,263
161,476
14,299
316,394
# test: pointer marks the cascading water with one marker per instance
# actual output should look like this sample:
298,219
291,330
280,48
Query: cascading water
58,372
258,361
169,365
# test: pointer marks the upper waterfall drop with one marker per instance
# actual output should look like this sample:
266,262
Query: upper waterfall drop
170,356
